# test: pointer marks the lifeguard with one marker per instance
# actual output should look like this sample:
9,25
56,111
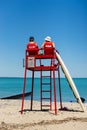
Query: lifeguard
48,46
32,47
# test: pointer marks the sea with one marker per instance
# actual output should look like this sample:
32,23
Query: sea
10,86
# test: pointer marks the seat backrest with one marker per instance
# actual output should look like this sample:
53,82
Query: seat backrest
48,48
32,49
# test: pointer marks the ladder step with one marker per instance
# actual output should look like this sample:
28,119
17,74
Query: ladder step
46,105
46,76
46,91
45,83
45,98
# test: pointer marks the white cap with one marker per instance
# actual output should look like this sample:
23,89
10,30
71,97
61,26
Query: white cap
48,39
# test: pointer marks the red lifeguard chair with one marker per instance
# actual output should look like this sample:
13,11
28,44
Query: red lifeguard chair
30,64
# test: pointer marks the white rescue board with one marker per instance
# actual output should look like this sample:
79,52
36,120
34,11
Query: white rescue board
71,83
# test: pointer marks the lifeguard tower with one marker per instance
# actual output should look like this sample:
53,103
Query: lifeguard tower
49,87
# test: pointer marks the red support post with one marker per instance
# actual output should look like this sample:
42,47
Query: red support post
51,90
32,89
55,104
41,89
59,88
23,91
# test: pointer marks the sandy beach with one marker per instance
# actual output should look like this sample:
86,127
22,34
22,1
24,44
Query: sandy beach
11,119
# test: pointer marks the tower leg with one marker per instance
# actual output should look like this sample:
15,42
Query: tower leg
50,90
41,89
23,91
32,90
59,88
55,104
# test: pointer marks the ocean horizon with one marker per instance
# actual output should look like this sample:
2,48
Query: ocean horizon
10,86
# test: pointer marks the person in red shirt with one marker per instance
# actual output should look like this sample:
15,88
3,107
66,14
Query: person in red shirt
32,46
48,46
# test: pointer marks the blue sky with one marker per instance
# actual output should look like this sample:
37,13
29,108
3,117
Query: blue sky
64,20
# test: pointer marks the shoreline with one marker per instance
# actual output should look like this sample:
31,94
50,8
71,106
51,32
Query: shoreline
11,118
